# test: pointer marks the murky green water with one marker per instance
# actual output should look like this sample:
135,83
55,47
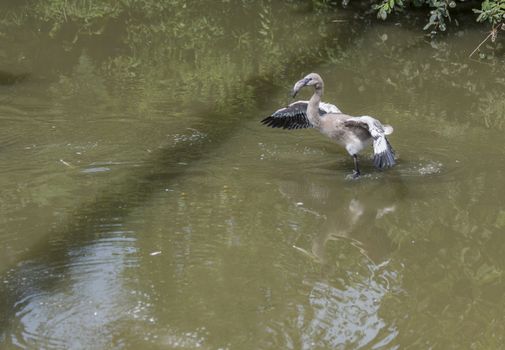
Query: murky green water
144,206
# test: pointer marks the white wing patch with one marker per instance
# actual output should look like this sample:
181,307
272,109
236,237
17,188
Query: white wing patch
384,156
329,108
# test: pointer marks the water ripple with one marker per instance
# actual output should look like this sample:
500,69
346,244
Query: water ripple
80,290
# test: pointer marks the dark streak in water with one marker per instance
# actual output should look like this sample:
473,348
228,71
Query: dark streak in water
8,79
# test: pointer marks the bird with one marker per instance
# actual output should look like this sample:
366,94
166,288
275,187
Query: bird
353,133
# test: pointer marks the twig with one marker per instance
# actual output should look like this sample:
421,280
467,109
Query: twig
482,43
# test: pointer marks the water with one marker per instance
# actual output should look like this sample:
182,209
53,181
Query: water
145,206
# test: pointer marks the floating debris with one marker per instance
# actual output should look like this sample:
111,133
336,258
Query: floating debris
67,164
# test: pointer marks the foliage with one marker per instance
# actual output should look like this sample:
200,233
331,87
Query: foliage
491,11
439,10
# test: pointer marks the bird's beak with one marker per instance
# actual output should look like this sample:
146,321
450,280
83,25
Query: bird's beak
299,84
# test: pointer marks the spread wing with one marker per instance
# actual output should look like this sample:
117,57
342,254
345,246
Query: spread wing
294,116
384,155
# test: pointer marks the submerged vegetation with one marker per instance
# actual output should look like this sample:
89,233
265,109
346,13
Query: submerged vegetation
172,43
207,59
176,24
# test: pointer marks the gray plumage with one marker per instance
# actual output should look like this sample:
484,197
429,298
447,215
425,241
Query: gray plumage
353,133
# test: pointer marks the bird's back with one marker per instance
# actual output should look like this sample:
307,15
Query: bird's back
333,125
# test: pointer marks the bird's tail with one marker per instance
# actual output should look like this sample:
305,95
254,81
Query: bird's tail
383,153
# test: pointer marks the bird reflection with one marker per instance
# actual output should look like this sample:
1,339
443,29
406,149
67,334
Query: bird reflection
349,215
342,309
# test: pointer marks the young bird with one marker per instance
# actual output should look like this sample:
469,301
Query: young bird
353,133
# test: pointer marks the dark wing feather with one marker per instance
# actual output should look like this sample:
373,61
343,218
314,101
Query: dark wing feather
293,116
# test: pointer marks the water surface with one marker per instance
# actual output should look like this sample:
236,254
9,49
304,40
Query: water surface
145,206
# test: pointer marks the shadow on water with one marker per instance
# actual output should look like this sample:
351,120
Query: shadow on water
155,174
8,79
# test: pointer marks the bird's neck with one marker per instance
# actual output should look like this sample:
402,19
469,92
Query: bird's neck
313,106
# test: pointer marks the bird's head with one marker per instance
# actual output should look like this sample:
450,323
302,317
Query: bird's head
309,80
